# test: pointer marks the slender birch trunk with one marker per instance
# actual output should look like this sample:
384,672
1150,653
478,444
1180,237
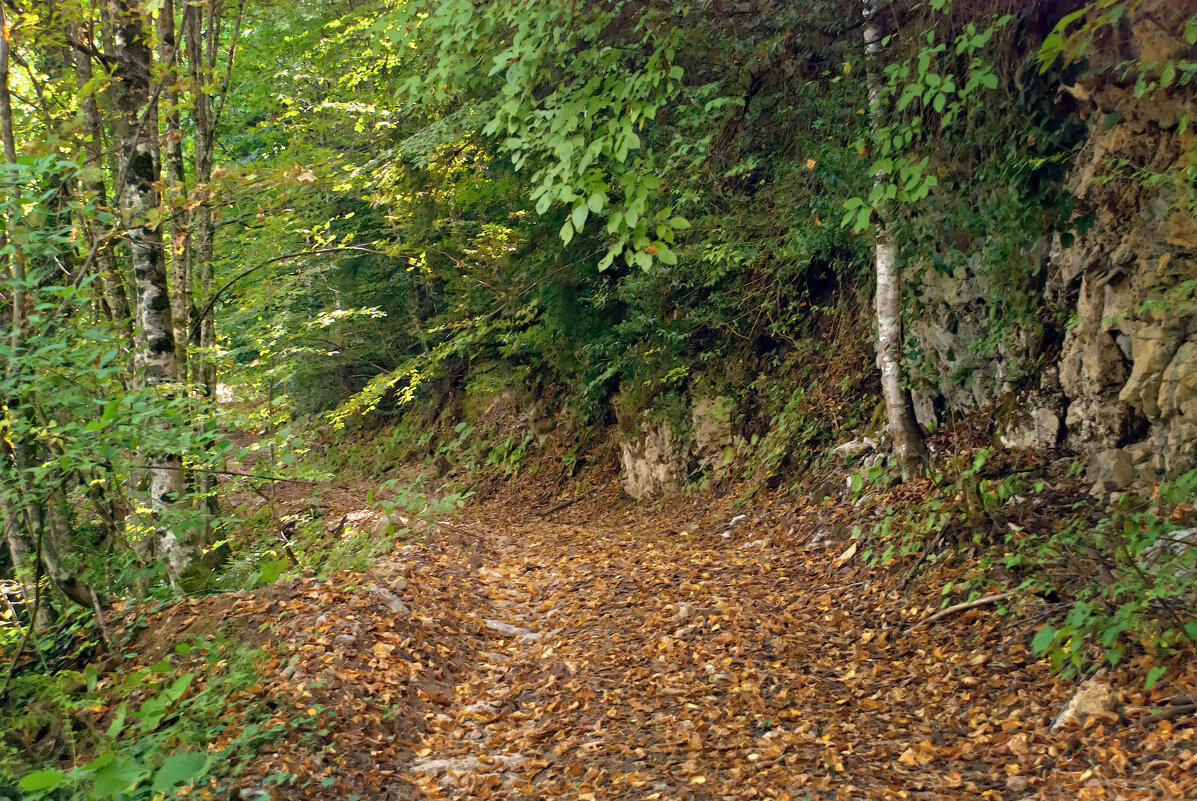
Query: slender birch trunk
909,446
138,201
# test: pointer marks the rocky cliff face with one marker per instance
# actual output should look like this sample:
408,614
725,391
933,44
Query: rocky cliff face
1126,374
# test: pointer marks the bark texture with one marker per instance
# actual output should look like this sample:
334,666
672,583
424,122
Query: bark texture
155,356
904,430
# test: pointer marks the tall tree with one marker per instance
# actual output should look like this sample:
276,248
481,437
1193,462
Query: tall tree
155,358
201,62
909,446
176,177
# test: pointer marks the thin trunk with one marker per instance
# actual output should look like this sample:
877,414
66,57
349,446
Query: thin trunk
202,50
909,446
116,293
138,200
201,59
180,240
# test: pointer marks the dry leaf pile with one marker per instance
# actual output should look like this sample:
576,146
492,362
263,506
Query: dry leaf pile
612,658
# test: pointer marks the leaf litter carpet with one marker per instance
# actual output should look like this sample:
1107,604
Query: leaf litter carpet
616,660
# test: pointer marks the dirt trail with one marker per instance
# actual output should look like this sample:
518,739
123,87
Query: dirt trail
687,665
511,657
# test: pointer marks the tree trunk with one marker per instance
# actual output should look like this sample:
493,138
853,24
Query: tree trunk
909,447
116,293
201,58
138,200
180,238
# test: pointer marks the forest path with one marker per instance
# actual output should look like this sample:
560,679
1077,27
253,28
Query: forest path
508,656
685,665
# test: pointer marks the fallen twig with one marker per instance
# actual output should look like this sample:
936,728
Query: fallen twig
951,610
1170,712
557,507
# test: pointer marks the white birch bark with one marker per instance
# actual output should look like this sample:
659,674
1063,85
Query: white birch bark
155,357
904,430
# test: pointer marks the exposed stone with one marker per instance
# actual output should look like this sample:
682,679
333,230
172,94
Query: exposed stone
853,448
714,444
1125,372
1165,553
1091,698
390,600
508,630
1035,429
652,464
1112,470
1017,783
451,769
389,524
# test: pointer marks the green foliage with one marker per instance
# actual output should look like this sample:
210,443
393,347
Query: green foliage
569,99
158,739
1140,594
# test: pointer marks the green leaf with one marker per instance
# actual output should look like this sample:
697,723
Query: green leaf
1043,639
676,72
42,780
567,232
179,768
118,777
1168,74
596,202
679,223
579,216
666,255
1154,675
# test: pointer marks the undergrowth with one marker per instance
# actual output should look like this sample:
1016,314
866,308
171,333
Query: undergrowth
193,720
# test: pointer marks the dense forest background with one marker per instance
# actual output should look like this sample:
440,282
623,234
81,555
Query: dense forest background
701,246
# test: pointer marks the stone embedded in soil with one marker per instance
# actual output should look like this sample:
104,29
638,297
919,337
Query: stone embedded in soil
391,600
1091,698
508,630
449,769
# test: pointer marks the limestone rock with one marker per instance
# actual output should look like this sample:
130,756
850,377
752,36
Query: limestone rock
452,769
389,525
652,464
1163,553
853,448
1112,470
714,443
1091,698
1036,429
508,630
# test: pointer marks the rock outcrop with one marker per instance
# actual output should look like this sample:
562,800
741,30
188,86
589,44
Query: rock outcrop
1125,288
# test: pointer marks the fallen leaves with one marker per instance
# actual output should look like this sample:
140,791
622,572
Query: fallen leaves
618,660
